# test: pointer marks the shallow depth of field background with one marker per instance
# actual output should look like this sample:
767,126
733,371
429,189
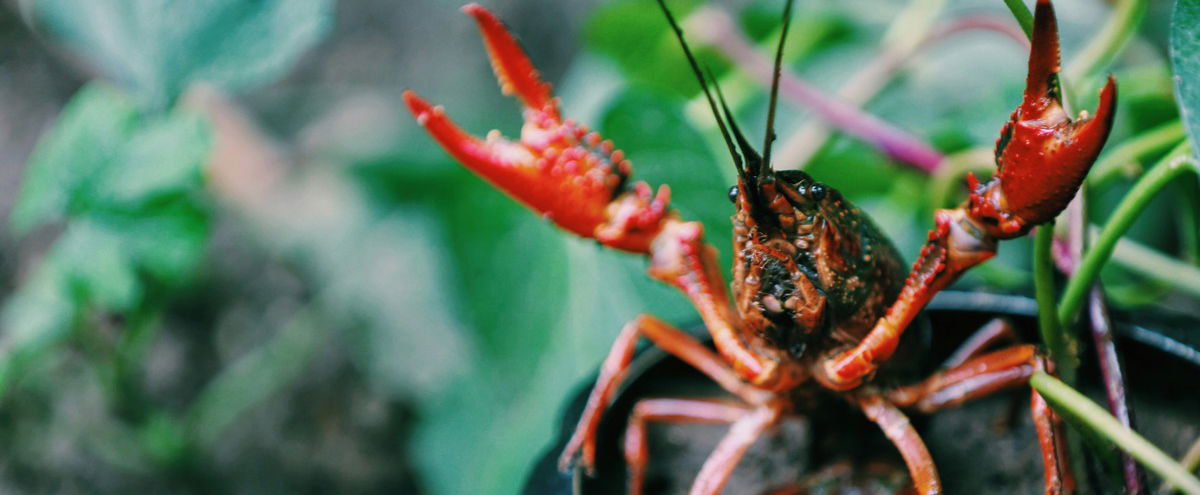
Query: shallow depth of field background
279,284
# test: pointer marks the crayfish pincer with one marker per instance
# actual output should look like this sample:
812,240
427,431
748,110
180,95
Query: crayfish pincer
819,295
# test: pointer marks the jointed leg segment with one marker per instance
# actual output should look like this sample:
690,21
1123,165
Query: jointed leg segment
896,427
983,375
612,373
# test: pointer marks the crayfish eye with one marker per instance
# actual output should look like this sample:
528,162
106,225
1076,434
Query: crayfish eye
733,194
817,191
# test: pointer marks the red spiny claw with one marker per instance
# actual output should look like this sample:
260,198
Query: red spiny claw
513,69
558,168
1042,155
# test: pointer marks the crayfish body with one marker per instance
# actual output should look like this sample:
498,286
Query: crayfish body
820,296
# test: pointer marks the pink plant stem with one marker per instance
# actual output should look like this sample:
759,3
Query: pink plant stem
1067,252
974,22
863,85
1114,384
899,145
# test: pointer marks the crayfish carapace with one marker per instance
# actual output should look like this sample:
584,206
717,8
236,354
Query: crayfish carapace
820,297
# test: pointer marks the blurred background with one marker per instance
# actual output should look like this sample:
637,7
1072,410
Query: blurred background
232,263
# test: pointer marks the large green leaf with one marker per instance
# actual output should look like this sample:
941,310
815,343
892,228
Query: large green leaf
1185,60
156,47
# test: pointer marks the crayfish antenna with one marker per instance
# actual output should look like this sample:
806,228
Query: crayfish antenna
753,159
712,105
513,68
770,135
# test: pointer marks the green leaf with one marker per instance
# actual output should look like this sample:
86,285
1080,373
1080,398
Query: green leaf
639,40
166,157
155,48
97,266
169,244
1185,61
102,155
91,132
37,316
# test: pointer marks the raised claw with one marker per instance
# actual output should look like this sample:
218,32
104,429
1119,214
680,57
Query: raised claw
558,168
1042,155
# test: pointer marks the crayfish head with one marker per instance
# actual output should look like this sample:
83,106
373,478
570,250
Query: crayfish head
1042,154
806,261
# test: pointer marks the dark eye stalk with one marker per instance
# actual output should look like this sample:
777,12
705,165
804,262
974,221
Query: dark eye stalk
817,192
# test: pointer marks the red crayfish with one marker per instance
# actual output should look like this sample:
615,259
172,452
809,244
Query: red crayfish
820,298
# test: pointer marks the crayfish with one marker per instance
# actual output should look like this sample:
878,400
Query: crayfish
819,294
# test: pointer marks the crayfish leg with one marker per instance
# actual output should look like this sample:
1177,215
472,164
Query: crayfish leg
695,411
899,430
612,372
984,375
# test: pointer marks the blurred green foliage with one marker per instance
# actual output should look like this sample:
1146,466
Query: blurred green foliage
155,49
124,221
122,174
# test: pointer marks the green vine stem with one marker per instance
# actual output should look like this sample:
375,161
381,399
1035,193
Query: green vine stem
1022,14
1125,158
1190,462
1168,168
1059,343
1108,44
1075,405
1143,260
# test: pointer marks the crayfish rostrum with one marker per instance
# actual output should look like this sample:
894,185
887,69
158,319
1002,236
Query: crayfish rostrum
820,297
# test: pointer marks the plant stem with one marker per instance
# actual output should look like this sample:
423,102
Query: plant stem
1175,163
897,144
1059,343
1114,383
1022,14
1138,258
1125,157
1108,44
254,377
1075,405
1189,222
803,144
1190,462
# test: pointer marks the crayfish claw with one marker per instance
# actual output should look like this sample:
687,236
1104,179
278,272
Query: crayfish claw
513,68
1041,83
557,168
495,158
1042,155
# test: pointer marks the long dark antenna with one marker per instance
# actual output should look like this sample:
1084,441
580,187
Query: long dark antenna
753,161
712,105
787,22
